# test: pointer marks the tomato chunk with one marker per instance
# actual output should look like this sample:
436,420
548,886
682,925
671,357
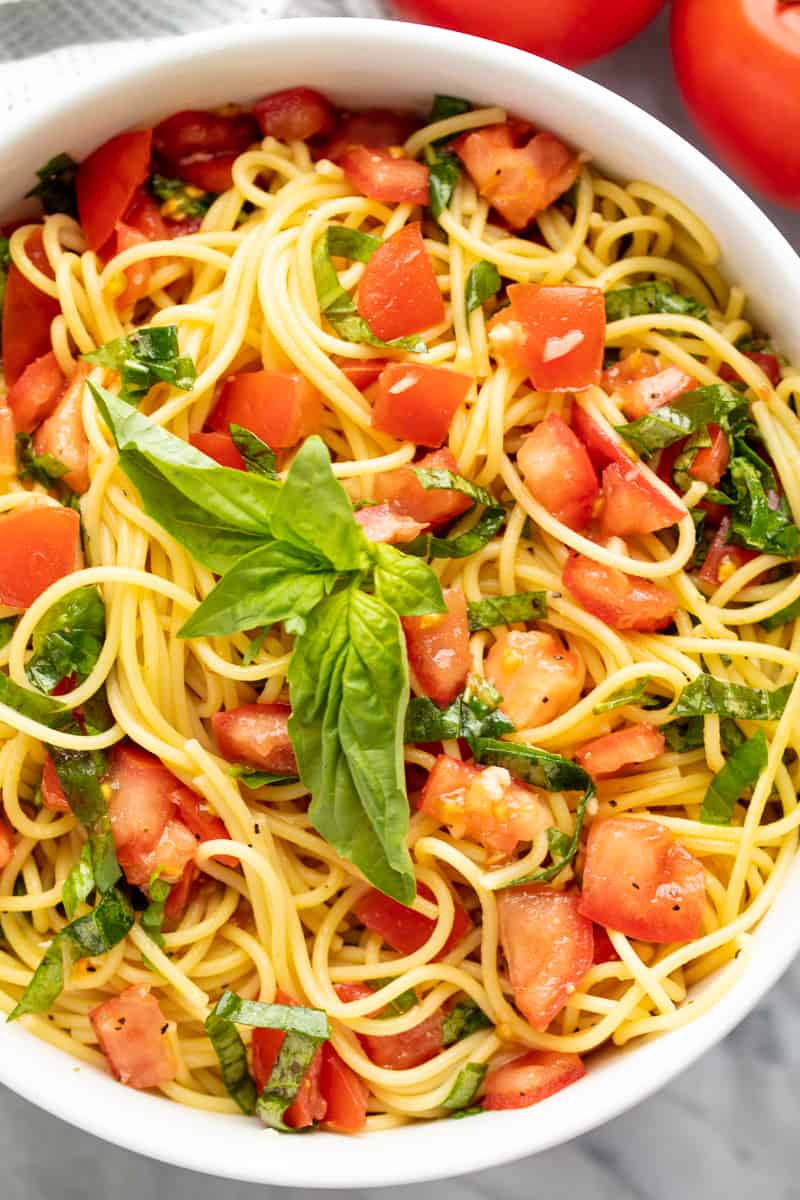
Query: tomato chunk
361,374
639,880
633,505
622,601
6,843
52,792
38,545
194,131
548,947
530,1078
201,822
62,434
309,1105
27,314
402,928
644,386
345,1093
560,333
608,754
373,127
280,407
603,947
387,523
537,676
430,507
724,558
438,648
558,472
416,403
519,181
378,174
770,364
140,803
711,462
107,180
484,804
257,734
398,294
168,858
602,443
221,447
293,114
396,1051
180,892
131,1030
36,393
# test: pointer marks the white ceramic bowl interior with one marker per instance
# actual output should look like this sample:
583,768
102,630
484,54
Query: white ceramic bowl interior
368,63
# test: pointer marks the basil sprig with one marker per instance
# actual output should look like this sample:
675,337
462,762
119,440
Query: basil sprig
739,773
472,715
483,282
682,417
709,696
144,358
655,297
491,521
68,639
506,610
56,186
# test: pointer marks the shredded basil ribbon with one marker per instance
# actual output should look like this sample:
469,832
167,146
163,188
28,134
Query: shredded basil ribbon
256,779
463,1019
506,610
682,417
471,715
79,884
708,696
740,772
655,297
56,186
152,918
144,358
464,544
182,199
393,1008
633,695
466,1086
68,639
257,455
483,282
79,773
783,617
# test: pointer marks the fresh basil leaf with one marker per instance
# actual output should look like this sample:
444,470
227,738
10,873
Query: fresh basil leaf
348,681
290,1018
730,735
180,200
45,469
96,714
393,1008
406,584
558,843
79,884
466,1086
144,358
56,186
740,772
88,937
444,172
708,696
232,1055
655,297
682,417
257,455
483,282
68,639
152,919
444,107
257,779
466,717
783,617
295,1056
685,735
7,627
79,773
506,610
31,704
755,521
633,695
463,1019
427,545
344,242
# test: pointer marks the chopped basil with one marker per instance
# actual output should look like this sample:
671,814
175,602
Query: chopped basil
634,695
256,779
31,704
783,617
685,735
45,469
740,772
760,517
343,242
181,200
79,773
79,884
483,282
442,480
444,107
393,1008
257,455
144,358
232,1055
490,522
152,919
295,1056
5,263
506,610
466,1086
682,417
68,639
467,717
463,1019
56,186
656,297
444,172
7,627
708,696
291,1018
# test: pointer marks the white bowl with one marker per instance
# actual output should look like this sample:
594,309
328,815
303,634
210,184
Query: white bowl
367,63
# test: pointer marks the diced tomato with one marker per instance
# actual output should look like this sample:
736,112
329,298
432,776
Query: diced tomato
205,825
373,127
36,393
138,275
107,180
63,435
603,445
27,314
6,843
212,173
144,215
180,892
346,1094
558,472
548,947
530,1078
403,489
309,1104
280,407
194,131
711,462
608,754
770,364
724,558
141,799
402,928
519,181
603,947
38,545
416,403
398,294
382,176
639,880
167,859
401,1051
633,505
641,391
559,333
537,676
637,365
622,601
221,447
52,792
293,115
387,523
8,442
361,374
257,734
484,804
438,648
131,1030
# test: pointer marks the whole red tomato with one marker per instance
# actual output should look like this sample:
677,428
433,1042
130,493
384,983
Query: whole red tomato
568,31
738,65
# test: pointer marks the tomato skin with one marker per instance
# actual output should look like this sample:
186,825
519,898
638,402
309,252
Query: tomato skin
309,1105
52,792
558,472
603,947
622,601
257,734
711,462
361,374
603,444
280,407
641,395
745,114
212,173
402,488
770,364
27,314
386,523
404,929
377,128
180,892
530,1078
438,648
38,545
639,880
519,181
346,1094
548,945
378,174
107,180
293,114
537,676
129,1030
221,447
417,403
194,131
36,393
6,843
564,334
63,436
632,505
401,1051
398,294
724,557
606,755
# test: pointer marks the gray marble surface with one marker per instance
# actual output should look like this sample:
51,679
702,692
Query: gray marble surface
725,1130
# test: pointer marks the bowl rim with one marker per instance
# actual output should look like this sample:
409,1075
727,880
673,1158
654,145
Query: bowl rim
207,1142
